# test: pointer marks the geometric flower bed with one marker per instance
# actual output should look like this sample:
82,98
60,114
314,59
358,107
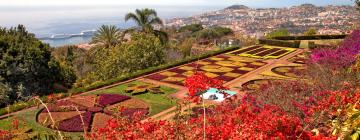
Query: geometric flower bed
299,59
255,84
95,111
222,67
289,71
136,89
263,52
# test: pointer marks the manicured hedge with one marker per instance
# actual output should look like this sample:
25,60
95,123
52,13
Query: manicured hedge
148,71
23,105
314,37
281,43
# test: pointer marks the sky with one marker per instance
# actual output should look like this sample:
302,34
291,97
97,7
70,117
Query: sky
251,3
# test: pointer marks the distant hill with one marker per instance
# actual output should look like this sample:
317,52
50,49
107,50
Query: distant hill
236,7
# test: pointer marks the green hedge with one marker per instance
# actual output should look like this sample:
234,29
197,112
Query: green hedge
149,71
23,105
313,37
281,43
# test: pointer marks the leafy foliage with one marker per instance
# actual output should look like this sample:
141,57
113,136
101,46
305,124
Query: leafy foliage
212,33
277,33
26,64
108,35
310,32
192,28
143,51
146,19
75,58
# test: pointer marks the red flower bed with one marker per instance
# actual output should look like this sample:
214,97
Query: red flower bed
75,124
130,112
109,99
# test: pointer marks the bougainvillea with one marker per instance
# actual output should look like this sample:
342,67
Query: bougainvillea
343,56
245,121
200,83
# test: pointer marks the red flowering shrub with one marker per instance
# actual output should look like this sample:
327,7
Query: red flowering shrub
245,121
343,56
5,135
199,83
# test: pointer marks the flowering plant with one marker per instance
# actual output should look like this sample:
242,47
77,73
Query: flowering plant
199,83
343,56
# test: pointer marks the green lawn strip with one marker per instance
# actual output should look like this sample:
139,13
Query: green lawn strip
157,102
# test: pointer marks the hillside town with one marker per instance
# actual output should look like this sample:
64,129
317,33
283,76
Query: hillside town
257,22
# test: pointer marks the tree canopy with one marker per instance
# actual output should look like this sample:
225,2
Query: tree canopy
143,51
146,19
108,35
192,28
277,33
310,32
26,65
212,33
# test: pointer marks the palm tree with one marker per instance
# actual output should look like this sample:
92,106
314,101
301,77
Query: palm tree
108,35
146,19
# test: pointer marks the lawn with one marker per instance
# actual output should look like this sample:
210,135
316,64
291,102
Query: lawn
157,102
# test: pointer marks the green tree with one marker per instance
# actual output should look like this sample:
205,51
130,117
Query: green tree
310,32
5,92
277,33
357,2
212,33
192,28
146,19
75,58
26,64
186,46
108,36
143,51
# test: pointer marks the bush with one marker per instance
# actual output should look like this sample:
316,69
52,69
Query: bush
341,57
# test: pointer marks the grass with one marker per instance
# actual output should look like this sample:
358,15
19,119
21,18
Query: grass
157,102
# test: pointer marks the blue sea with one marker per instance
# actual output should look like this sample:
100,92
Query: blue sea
47,21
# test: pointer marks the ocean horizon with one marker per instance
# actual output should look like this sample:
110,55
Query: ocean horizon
45,22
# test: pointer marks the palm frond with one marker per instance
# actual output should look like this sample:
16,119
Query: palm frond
156,20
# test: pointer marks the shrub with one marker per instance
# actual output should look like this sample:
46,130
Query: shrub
343,56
